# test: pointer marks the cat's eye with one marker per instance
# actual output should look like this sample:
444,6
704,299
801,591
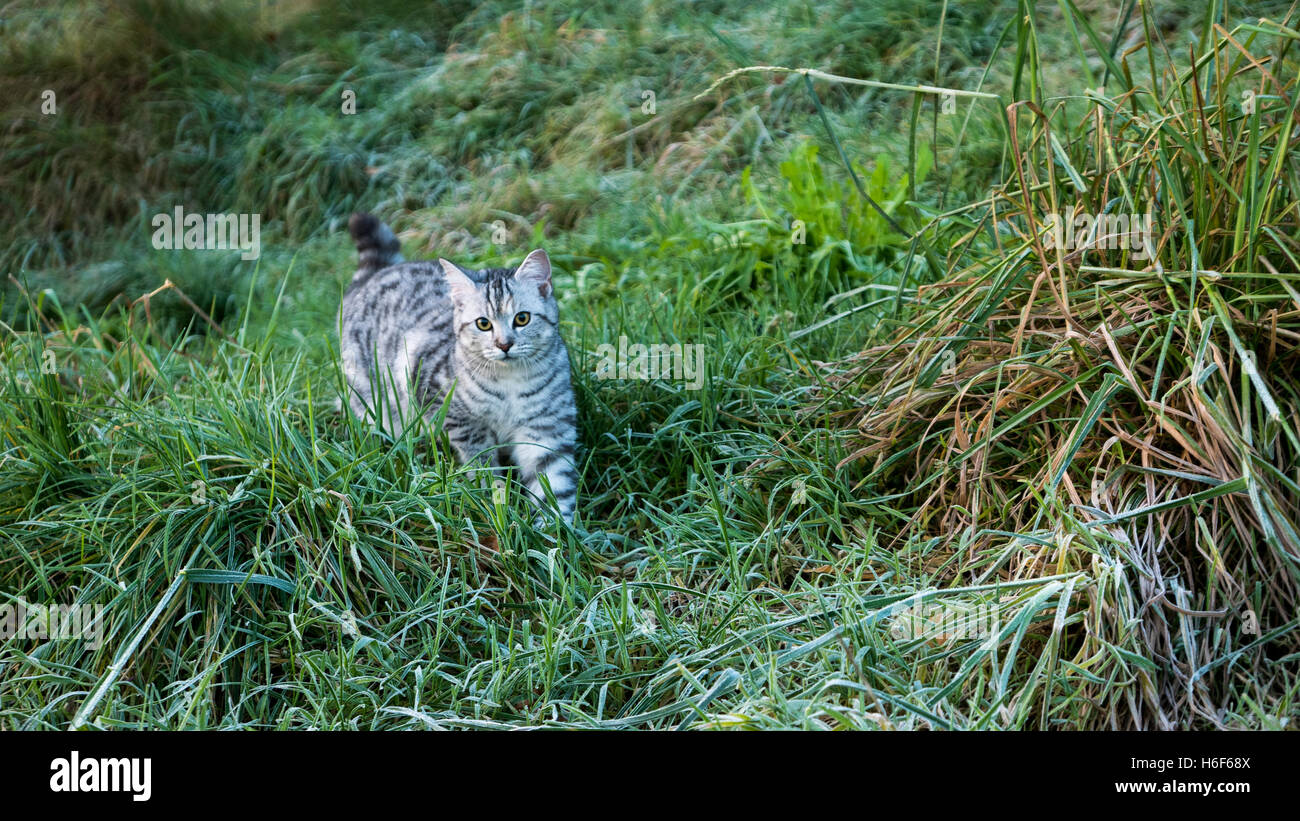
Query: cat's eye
521,319
483,324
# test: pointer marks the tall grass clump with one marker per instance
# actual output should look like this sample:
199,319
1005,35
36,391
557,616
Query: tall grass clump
1123,414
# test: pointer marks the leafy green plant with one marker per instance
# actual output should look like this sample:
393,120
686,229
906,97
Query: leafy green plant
824,218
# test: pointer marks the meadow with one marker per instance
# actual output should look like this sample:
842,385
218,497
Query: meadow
996,307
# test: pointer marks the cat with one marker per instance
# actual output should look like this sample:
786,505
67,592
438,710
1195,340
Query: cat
410,332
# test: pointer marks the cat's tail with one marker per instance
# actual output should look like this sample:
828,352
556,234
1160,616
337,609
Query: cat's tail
376,246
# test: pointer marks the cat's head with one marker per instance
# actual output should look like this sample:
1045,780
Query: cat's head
503,315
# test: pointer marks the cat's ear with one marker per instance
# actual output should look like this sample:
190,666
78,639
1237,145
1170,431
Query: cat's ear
459,286
536,268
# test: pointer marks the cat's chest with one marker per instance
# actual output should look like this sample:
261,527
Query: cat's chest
509,404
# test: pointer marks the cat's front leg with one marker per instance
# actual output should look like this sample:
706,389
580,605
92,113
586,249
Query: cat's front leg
473,443
556,464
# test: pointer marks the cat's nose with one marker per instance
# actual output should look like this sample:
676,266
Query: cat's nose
504,346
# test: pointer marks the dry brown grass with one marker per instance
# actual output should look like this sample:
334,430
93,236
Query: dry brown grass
1068,409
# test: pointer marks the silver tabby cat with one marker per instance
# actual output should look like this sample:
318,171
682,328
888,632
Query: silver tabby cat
409,332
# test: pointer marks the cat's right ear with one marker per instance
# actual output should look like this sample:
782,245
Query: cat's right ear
459,286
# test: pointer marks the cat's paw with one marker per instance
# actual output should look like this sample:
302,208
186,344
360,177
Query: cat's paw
543,521
548,518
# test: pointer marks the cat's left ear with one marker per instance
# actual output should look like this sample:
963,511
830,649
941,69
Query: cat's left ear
536,268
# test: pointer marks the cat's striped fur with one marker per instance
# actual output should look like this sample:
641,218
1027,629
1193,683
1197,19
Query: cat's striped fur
409,331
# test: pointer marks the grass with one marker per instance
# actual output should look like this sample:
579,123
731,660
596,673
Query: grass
923,402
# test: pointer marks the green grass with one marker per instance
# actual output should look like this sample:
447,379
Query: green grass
923,405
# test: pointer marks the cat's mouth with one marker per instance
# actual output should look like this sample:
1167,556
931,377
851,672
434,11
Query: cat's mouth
508,357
